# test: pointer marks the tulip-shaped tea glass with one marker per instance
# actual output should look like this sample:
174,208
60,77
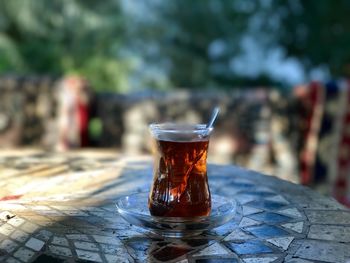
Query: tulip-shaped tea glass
180,183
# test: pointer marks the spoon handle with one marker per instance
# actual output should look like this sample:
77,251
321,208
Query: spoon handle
213,117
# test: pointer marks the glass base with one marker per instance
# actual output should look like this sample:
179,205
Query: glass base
134,209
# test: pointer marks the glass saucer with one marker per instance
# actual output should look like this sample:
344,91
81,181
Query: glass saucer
134,209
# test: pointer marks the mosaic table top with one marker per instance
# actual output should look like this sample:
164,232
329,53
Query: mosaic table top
61,208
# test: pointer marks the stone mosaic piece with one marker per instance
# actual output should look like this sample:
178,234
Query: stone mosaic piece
238,234
259,193
99,214
29,227
250,247
297,227
60,251
43,235
85,245
35,244
324,251
226,228
106,239
267,205
298,260
60,241
247,210
246,221
78,237
91,209
217,260
267,231
328,217
282,242
87,255
265,189
214,249
118,259
277,198
6,229
75,213
8,245
225,190
244,199
20,236
113,249
330,232
12,260
241,184
260,260
16,221
293,212
269,217
127,233
24,254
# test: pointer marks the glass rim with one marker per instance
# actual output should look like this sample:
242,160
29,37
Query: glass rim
179,127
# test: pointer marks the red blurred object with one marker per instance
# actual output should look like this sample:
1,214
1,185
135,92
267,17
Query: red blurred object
312,98
83,119
74,113
324,117
10,197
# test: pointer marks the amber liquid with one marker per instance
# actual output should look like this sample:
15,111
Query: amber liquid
180,186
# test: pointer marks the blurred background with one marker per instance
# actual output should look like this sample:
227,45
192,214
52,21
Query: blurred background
82,73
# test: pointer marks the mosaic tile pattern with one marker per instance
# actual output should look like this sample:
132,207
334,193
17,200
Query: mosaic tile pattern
60,208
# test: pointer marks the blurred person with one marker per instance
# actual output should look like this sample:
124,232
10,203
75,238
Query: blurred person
324,155
73,114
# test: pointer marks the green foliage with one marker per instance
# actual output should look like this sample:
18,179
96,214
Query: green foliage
123,45
317,32
184,31
64,36
95,128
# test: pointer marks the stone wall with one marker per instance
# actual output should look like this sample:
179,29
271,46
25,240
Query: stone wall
252,129
27,110
128,116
